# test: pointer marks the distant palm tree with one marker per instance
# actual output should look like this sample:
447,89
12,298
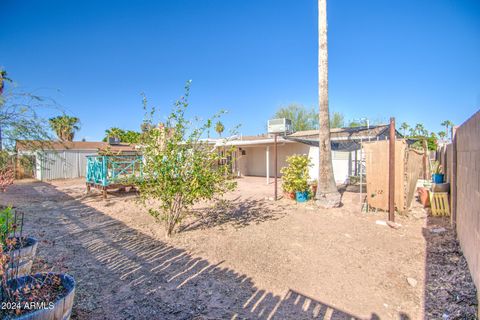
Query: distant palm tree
404,126
65,127
3,78
420,130
219,127
447,124
442,134
114,132
327,193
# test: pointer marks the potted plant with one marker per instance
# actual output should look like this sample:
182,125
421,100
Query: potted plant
313,187
27,297
41,296
295,176
22,249
437,172
288,187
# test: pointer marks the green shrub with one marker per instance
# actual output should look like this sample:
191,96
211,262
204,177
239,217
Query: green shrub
6,224
295,176
180,167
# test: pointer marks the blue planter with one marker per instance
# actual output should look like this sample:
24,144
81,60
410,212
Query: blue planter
301,196
437,177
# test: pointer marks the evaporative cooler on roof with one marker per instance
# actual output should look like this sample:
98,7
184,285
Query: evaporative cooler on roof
280,126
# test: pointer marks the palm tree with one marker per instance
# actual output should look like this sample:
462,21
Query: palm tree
65,127
420,130
327,193
219,127
447,124
442,135
404,126
3,78
114,132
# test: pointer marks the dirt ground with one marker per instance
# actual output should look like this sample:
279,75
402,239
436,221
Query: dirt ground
247,257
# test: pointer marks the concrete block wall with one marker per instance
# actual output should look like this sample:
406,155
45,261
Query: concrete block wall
467,180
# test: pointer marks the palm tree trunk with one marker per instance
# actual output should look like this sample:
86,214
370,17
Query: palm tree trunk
327,194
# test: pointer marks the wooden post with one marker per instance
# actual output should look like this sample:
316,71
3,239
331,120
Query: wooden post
356,164
276,163
425,159
391,172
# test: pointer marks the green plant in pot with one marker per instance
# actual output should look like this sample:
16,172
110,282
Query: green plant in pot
437,172
295,176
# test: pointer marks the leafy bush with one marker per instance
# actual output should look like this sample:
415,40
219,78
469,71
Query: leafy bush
295,176
7,173
6,224
180,167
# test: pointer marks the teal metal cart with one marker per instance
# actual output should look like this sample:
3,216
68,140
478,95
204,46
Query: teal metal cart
109,172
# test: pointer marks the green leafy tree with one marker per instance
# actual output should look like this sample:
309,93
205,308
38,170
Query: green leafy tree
219,128
20,120
358,123
420,133
127,136
65,126
302,118
19,115
337,120
180,168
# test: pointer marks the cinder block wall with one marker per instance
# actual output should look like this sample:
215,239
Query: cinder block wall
468,193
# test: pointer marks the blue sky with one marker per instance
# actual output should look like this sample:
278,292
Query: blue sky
417,60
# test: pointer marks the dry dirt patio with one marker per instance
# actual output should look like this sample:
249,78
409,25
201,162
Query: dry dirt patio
248,258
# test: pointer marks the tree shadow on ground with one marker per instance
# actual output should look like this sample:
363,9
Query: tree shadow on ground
449,289
121,273
239,212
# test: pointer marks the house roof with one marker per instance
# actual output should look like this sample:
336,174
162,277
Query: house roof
29,145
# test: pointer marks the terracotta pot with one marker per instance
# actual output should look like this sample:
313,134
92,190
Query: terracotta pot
423,195
314,189
289,195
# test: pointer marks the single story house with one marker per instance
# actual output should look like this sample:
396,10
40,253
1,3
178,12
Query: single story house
66,159
254,155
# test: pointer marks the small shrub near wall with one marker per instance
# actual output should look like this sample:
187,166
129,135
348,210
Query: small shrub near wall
295,176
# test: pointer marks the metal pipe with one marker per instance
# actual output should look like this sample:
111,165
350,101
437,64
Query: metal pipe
268,164
276,163
391,172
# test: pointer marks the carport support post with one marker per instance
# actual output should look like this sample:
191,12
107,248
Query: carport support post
276,162
268,164
391,172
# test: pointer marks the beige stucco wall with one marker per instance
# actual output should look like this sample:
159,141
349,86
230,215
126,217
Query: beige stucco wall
254,162
468,193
